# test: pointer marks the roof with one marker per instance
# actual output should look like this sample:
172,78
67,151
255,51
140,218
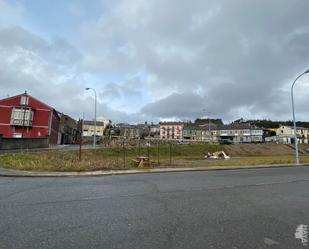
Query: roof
201,127
56,113
238,127
292,127
26,94
66,118
271,129
98,123
130,126
171,123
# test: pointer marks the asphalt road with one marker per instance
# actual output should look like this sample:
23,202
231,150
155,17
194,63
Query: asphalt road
213,209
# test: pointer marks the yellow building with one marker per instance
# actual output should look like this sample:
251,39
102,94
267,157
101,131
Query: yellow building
101,124
286,134
88,128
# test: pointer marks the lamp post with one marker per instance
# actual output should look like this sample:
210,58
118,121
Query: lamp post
294,122
95,115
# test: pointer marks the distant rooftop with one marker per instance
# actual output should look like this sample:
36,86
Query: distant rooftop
237,126
201,127
98,123
172,123
292,127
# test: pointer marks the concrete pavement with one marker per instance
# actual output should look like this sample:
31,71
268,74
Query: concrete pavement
61,147
256,208
18,173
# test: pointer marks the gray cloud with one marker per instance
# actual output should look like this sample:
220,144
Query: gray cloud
239,54
168,59
183,106
48,71
16,36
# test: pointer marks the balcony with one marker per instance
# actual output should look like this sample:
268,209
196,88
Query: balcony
20,122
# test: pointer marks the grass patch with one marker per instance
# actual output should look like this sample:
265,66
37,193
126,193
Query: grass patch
122,158
242,161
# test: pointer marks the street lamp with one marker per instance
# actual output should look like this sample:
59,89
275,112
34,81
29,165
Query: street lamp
294,122
95,115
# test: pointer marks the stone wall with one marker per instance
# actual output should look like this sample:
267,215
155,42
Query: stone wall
23,143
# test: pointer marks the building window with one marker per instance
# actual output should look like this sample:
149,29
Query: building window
17,135
21,117
24,100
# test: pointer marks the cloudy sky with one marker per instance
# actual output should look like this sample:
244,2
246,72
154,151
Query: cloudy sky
158,59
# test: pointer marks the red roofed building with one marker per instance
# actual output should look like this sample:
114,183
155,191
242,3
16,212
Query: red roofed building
23,116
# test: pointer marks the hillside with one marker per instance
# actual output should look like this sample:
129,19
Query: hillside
261,149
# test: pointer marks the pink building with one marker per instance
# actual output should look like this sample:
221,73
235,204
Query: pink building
171,130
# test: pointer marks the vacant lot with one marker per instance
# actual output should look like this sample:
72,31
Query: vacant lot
160,156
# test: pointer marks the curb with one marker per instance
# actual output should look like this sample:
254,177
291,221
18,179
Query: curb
17,173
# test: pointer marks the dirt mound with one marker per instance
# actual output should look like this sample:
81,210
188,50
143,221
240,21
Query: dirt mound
258,149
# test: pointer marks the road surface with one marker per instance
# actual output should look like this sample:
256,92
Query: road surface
259,208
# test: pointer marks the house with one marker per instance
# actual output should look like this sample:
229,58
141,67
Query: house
257,135
154,130
106,122
101,125
199,132
171,130
133,131
68,129
112,131
241,133
189,132
23,116
207,133
130,131
89,128
285,134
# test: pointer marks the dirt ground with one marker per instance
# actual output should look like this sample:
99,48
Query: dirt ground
262,149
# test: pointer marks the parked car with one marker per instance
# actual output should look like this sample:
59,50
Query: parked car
225,141
182,142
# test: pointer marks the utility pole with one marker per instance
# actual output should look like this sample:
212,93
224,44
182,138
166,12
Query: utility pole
80,138
95,115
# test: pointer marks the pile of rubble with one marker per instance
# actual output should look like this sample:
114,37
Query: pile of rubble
217,155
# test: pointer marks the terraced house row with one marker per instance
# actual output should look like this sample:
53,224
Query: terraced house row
26,122
233,133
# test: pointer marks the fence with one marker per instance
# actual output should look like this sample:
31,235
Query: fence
128,153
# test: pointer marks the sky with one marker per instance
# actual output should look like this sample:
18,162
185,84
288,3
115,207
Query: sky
155,60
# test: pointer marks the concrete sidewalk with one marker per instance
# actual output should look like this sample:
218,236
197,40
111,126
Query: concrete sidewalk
18,173
62,147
